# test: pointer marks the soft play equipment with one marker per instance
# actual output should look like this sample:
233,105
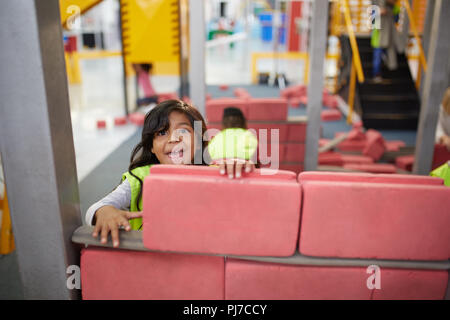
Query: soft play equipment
208,237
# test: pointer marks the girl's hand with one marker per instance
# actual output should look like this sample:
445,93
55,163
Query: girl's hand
445,140
110,219
234,167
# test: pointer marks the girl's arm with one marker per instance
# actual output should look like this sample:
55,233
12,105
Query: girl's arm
119,198
108,215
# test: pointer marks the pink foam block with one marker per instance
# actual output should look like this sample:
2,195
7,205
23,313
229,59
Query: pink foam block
215,214
112,274
267,109
293,91
368,177
241,93
208,96
400,284
215,107
167,96
331,115
120,121
375,145
213,171
294,102
330,101
248,280
394,145
356,159
223,87
330,158
266,152
356,134
270,128
375,220
352,145
295,152
373,168
405,162
292,166
101,124
137,118
296,132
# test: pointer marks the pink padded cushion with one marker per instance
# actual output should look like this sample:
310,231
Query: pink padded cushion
112,274
375,220
295,152
368,177
215,107
400,284
213,172
375,145
267,109
214,214
248,280
331,115
296,132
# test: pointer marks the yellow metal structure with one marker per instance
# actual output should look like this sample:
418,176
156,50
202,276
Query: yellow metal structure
71,8
151,34
6,234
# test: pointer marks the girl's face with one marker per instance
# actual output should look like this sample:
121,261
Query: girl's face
176,144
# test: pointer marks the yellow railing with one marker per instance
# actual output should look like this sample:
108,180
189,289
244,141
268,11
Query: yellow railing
356,69
422,59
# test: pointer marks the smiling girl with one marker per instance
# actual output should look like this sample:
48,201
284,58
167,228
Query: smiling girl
168,137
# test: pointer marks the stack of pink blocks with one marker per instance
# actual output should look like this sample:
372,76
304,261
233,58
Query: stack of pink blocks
280,236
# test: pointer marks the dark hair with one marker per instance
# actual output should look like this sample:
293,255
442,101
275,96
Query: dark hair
146,67
233,118
155,121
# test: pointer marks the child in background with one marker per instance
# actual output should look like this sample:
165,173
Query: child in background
143,71
443,126
233,143
168,137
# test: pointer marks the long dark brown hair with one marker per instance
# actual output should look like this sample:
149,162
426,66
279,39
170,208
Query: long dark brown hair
155,121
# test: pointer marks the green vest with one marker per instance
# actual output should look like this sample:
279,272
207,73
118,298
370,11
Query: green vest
233,143
141,173
442,172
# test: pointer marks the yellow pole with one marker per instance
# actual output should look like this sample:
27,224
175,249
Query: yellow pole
6,234
351,35
351,94
423,61
419,76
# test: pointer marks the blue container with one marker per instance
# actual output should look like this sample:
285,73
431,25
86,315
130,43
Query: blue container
266,26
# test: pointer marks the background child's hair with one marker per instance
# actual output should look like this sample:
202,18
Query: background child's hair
446,101
233,118
155,121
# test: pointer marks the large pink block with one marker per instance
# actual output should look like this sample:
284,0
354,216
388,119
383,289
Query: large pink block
215,107
266,153
375,146
296,132
375,220
270,128
212,172
405,162
248,280
267,109
350,145
293,91
210,213
401,284
292,166
394,145
241,93
368,177
111,274
331,115
373,168
295,152
137,118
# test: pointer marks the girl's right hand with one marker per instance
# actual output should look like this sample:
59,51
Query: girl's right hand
110,219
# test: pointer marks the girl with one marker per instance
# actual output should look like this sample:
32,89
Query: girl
168,138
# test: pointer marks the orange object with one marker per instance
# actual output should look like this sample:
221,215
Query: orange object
6,233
